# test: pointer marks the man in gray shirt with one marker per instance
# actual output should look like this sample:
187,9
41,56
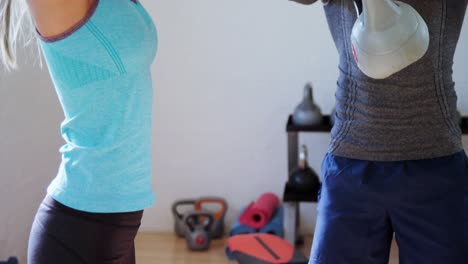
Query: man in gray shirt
396,163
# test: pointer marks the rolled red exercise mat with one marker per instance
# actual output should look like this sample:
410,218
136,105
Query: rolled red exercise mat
259,213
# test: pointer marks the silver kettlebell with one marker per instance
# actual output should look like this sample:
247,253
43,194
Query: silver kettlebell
387,37
179,225
307,113
198,229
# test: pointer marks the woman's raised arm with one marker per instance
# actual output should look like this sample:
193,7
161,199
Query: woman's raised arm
53,17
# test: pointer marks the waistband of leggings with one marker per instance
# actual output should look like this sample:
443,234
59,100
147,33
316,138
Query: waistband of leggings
50,202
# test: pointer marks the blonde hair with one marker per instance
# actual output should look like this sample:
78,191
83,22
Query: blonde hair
15,27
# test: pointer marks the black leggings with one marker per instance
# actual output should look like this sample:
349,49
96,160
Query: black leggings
61,235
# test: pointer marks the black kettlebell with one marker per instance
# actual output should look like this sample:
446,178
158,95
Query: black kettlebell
459,118
219,215
198,229
303,177
179,225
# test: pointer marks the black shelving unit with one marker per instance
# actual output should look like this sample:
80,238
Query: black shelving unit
291,197
464,125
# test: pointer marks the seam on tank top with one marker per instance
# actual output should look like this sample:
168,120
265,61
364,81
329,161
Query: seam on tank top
336,141
111,51
442,99
344,130
108,46
440,84
349,111
339,135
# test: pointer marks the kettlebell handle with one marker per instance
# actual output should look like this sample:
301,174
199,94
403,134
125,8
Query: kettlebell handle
176,205
220,213
377,13
308,94
358,6
199,215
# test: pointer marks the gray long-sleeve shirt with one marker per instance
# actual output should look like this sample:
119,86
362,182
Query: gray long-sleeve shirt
412,114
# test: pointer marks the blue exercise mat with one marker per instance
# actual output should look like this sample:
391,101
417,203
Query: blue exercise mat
275,226
12,260
239,229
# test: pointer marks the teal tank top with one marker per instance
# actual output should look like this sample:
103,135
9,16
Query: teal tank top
101,72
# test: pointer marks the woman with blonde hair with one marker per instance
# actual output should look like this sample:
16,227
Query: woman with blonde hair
99,54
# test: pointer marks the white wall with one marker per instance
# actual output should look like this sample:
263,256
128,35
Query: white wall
227,75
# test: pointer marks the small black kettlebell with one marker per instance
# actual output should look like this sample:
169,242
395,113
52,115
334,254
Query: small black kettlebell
219,215
198,229
303,178
459,118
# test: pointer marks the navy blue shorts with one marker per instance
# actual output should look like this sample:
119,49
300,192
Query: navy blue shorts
363,205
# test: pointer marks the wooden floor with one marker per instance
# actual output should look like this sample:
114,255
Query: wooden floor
166,248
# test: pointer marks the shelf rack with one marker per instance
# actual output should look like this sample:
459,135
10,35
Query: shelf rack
291,197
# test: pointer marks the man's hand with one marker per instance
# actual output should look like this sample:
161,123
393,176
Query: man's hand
308,2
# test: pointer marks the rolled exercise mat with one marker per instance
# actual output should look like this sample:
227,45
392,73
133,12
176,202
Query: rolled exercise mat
259,213
238,228
275,226
264,249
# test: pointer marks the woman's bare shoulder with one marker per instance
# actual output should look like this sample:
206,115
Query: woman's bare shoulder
53,17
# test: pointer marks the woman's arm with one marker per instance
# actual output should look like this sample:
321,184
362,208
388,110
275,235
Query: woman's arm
53,17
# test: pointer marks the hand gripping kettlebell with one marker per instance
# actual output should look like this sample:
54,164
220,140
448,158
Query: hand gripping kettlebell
198,229
307,113
179,225
387,37
218,227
